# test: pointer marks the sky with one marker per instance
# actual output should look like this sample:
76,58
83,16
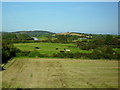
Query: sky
60,0
83,17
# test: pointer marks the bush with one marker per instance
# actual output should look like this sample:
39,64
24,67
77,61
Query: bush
105,52
71,55
8,51
88,46
22,53
108,39
118,56
34,54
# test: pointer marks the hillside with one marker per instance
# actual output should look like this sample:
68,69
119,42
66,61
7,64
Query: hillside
74,34
71,33
35,33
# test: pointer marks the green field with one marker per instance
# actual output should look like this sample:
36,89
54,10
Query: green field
49,48
45,38
60,73
117,50
42,38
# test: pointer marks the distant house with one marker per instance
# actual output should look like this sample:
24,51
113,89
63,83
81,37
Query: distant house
35,38
30,39
89,37
82,38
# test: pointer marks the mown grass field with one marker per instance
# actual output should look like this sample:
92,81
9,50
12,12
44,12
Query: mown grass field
60,73
49,48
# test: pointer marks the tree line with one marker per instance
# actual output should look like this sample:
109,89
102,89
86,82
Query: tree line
101,47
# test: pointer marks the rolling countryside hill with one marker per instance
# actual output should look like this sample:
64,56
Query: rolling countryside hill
71,33
35,33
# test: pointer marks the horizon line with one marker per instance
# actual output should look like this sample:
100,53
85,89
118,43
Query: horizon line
65,32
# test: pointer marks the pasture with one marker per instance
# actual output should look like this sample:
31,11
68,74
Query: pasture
45,38
60,73
49,48
42,38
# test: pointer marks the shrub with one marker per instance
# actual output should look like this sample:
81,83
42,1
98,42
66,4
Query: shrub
34,54
8,51
88,46
61,55
105,52
22,53
108,39
71,55
118,56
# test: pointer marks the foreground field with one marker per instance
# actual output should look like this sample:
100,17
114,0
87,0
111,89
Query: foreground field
60,73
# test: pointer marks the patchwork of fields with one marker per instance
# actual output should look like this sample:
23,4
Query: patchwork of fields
49,48
60,73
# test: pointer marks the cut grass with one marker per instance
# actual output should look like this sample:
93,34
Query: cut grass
31,75
60,73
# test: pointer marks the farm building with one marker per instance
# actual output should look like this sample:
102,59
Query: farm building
35,38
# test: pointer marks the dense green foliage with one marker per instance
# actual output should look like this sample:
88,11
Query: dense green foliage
103,48
85,46
35,33
8,51
100,53
15,37
105,52
108,40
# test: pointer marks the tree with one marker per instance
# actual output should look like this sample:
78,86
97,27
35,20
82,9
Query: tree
23,37
62,39
105,52
49,38
8,51
108,40
9,36
115,41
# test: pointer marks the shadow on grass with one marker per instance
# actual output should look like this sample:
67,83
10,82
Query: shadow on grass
1,68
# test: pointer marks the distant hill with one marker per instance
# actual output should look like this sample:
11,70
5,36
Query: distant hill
71,33
35,33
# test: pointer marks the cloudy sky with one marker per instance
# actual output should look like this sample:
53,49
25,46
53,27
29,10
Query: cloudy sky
84,17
